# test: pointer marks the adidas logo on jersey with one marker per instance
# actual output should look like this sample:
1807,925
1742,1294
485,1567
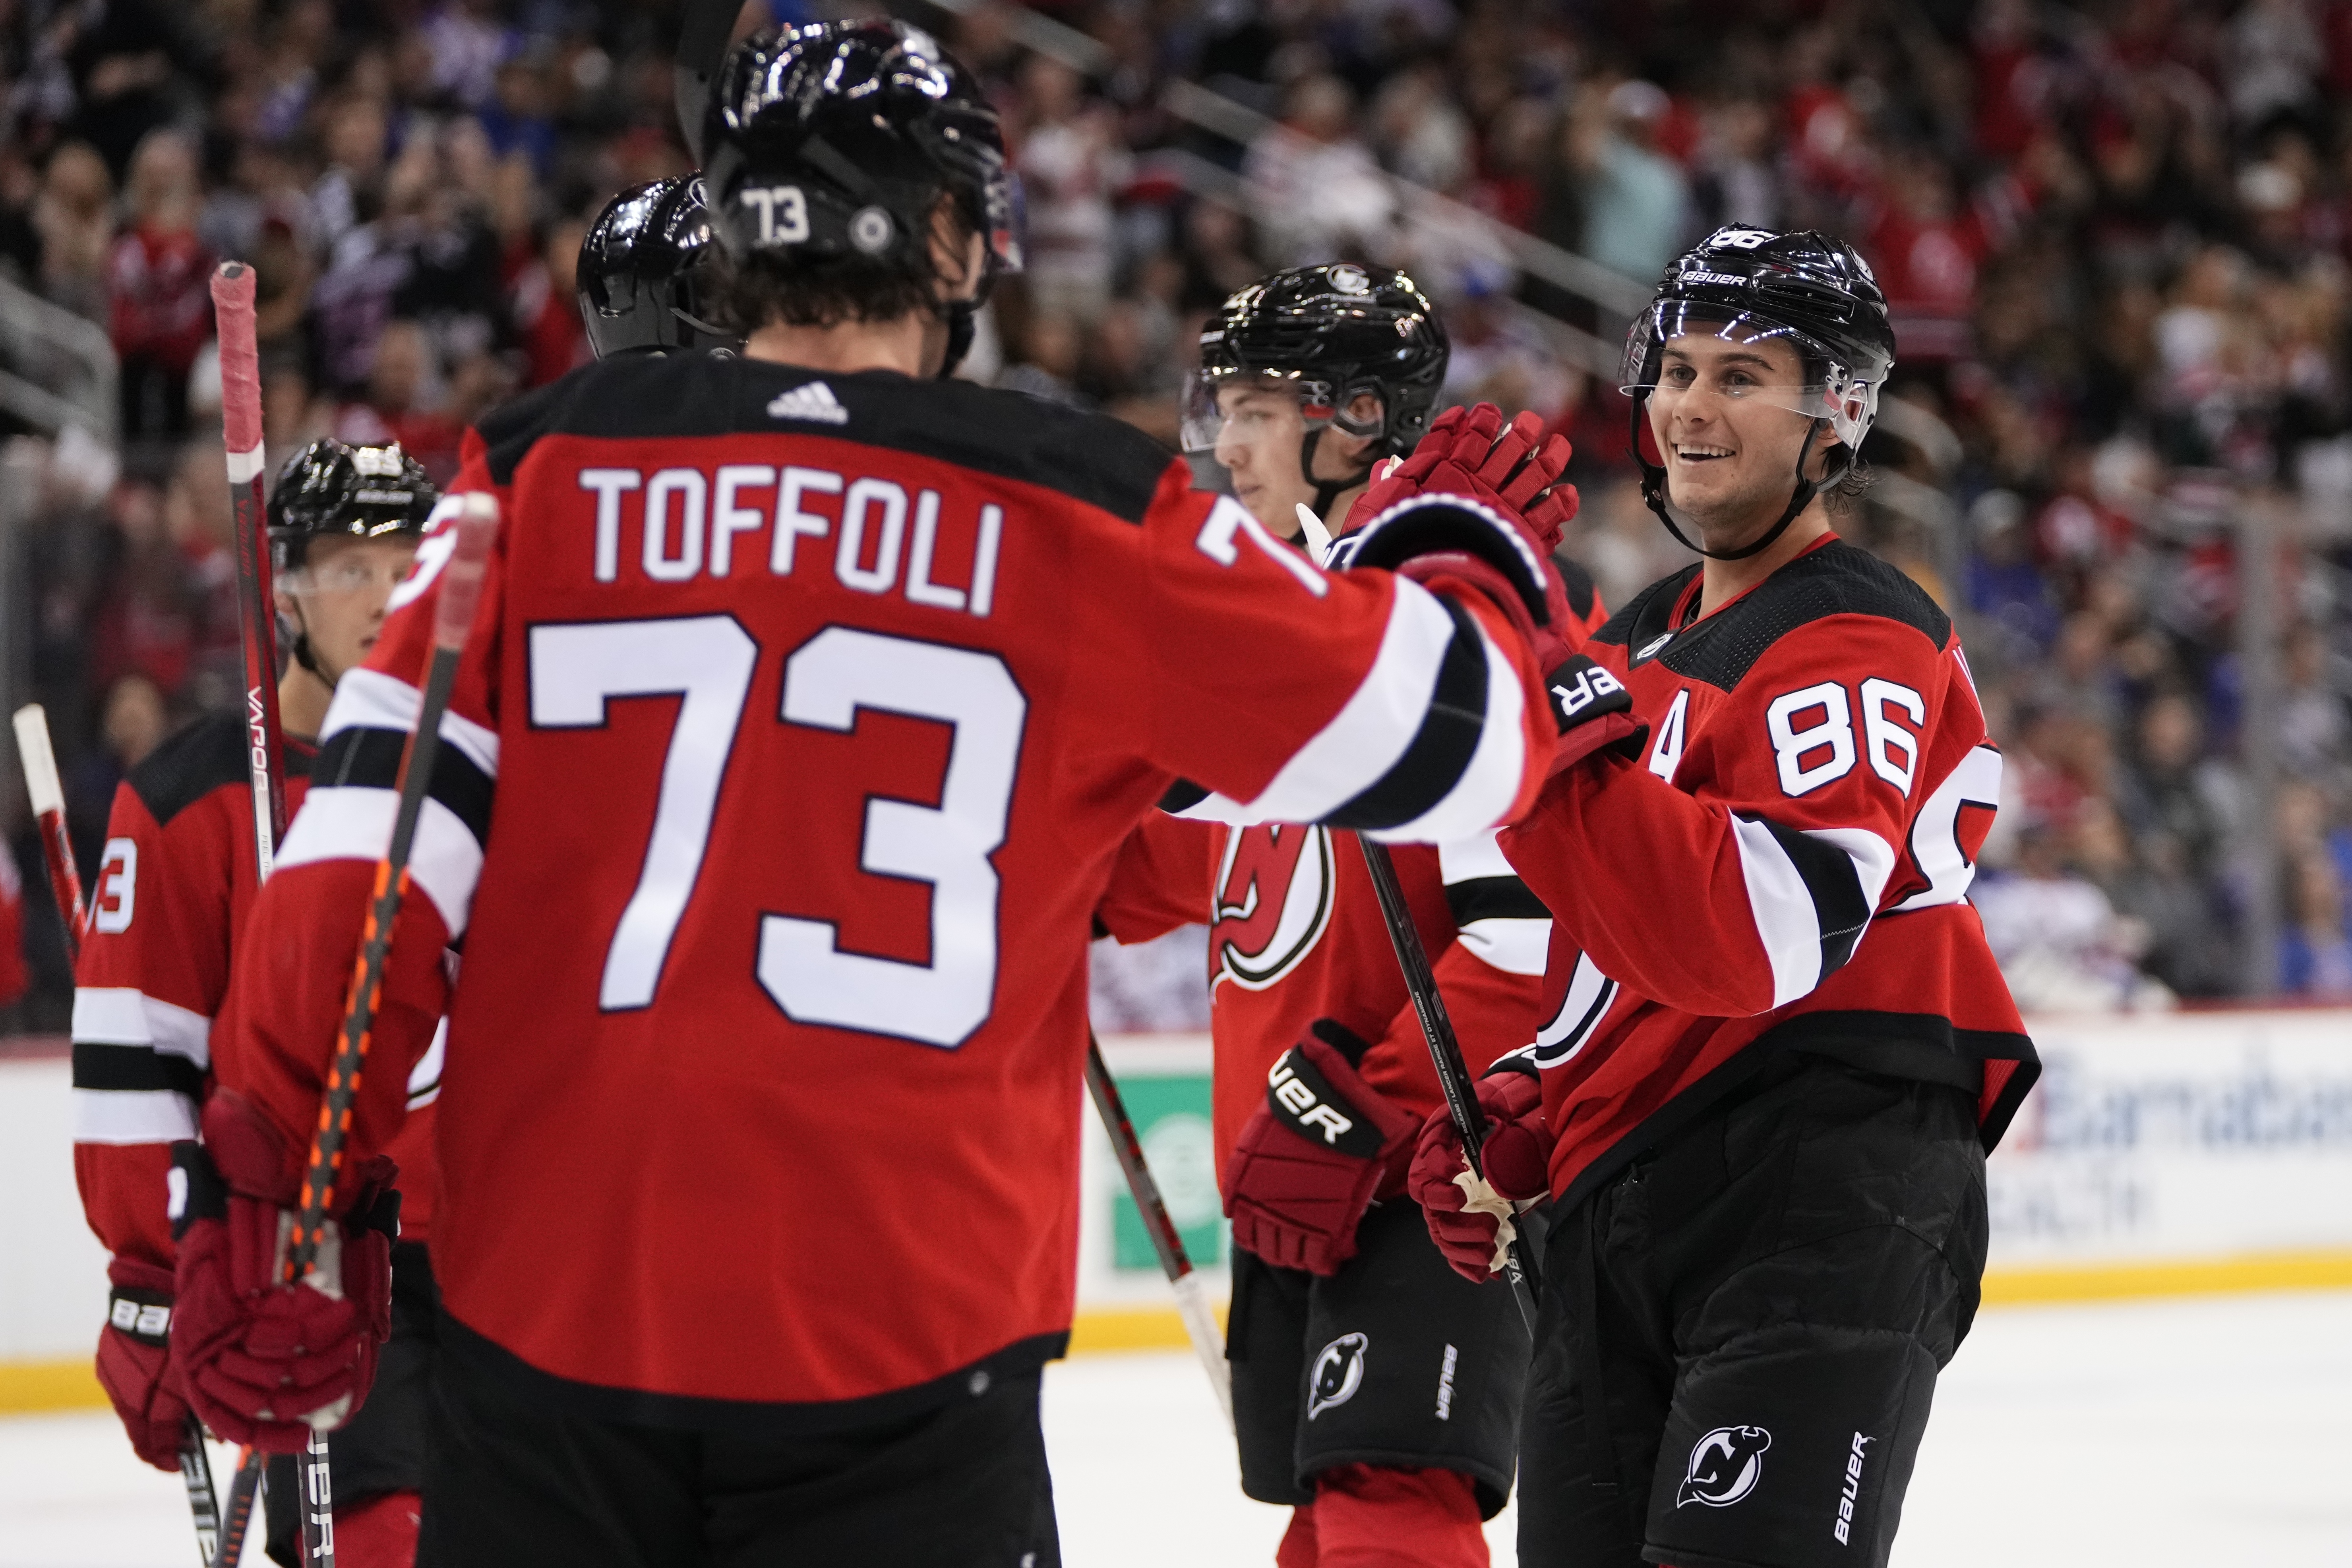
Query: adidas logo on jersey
813,401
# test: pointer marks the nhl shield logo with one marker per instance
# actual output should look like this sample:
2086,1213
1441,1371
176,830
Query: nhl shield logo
1338,1373
1725,1467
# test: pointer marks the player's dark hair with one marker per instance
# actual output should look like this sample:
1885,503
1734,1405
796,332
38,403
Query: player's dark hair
798,288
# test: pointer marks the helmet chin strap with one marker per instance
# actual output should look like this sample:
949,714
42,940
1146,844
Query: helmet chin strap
962,318
1328,490
1654,492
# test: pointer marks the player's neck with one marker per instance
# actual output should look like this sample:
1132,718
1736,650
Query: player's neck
1721,581
302,699
911,345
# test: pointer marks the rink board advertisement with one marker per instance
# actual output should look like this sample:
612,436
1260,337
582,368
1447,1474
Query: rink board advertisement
2177,1153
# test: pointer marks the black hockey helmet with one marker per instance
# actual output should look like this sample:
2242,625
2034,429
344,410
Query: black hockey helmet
354,491
1805,289
837,140
1333,333
643,272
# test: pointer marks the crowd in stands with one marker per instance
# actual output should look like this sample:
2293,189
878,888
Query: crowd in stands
2117,236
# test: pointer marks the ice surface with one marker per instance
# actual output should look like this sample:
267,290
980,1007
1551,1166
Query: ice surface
2153,1434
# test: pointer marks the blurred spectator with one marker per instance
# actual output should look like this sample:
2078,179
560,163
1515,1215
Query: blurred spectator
133,723
158,280
1071,165
2315,952
1636,202
74,218
2061,944
1317,190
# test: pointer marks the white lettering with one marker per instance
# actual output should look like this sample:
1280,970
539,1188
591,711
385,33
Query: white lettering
1330,1121
790,521
688,486
118,886
920,588
608,484
727,518
983,564
883,575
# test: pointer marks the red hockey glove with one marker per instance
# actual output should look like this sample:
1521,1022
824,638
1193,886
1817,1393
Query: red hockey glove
1470,1219
1470,450
1594,711
134,1362
1307,1166
265,1362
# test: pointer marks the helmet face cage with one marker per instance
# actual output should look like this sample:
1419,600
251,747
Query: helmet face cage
1824,388
1203,419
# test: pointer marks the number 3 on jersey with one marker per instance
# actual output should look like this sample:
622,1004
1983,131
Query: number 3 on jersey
1812,734
708,661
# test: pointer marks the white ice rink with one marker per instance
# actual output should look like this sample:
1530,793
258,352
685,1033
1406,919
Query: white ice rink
2213,1433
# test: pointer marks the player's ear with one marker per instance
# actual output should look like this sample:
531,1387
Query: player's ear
958,253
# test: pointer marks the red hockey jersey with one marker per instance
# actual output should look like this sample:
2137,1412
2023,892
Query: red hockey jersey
1295,934
175,887
1788,863
802,720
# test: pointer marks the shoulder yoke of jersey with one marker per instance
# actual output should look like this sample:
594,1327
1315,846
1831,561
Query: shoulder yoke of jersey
198,759
1090,457
1838,579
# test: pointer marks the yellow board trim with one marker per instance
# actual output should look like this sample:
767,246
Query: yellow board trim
29,1385
26,1386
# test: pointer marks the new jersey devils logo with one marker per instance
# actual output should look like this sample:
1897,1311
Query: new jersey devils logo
1273,900
1338,1373
1725,1467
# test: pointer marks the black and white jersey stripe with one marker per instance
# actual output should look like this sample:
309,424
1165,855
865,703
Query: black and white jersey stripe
1936,846
1428,748
348,813
1494,916
139,1067
1590,996
1811,893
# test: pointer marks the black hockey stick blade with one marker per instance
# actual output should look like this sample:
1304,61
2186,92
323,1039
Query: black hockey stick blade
1444,1047
702,32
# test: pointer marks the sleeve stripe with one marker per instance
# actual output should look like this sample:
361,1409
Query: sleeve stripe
1514,947
1379,723
352,822
133,1116
369,699
1481,794
370,759
1807,900
1493,898
118,1015
1441,749
134,1068
1589,995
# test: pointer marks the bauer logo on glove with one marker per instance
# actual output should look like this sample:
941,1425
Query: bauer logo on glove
1579,686
1303,1099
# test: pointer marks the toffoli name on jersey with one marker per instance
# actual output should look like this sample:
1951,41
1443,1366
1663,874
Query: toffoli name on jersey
680,524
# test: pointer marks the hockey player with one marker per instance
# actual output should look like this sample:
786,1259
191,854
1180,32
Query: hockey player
810,698
173,891
1373,1391
645,273
1777,1047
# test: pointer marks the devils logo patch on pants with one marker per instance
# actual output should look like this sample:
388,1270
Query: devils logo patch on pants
1338,1373
1725,1467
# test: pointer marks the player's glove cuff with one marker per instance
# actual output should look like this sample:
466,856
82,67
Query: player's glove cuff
1594,713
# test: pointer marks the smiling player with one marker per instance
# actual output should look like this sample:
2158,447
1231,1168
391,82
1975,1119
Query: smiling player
1778,1046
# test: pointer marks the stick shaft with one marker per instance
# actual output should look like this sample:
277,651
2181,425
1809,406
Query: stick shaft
255,600
47,797
1445,1048
238,1516
1191,1297
203,1506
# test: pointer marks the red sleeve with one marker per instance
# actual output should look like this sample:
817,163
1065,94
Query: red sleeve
154,965
1745,898
1299,695
280,1024
1161,880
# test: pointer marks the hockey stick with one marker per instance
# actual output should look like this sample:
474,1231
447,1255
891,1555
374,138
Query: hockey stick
702,35
257,607
48,798
453,617
1191,1299
240,363
1444,1050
